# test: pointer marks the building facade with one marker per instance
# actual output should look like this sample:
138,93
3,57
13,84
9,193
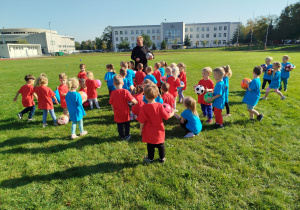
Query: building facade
20,50
201,34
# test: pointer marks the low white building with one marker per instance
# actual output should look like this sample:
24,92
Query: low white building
20,50
49,40
208,34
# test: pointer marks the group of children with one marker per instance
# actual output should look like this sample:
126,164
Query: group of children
144,95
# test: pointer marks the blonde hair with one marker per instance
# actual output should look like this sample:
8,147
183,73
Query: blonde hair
175,72
123,72
181,65
118,79
73,83
149,70
191,104
207,69
228,71
172,65
111,67
219,71
90,75
163,64
286,57
157,65
44,75
41,80
278,64
63,76
151,91
140,66
124,64
269,58
168,68
140,37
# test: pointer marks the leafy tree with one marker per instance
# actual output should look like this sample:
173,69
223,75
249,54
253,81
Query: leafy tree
163,45
204,42
98,42
83,45
124,45
153,46
147,41
238,35
22,41
77,46
187,42
107,37
103,46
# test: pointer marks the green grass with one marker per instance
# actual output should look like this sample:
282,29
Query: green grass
246,165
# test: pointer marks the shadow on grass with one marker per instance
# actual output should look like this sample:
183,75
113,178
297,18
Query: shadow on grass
16,124
75,172
25,140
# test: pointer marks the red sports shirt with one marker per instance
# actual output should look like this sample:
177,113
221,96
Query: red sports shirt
207,84
91,86
168,99
119,100
139,76
136,108
82,75
182,77
152,115
45,95
157,76
83,90
173,85
63,89
27,95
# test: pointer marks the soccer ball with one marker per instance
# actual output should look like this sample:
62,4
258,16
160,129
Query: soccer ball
199,89
270,72
148,55
83,96
244,85
167,107
288,67
164,79
63,119
264,66
98,82
208,95
181,83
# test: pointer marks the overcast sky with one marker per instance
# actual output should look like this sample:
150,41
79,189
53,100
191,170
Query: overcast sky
87,19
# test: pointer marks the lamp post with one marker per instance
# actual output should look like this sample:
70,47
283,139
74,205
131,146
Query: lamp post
50,36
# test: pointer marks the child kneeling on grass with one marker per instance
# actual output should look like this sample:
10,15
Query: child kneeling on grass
151,124
75,108
190,119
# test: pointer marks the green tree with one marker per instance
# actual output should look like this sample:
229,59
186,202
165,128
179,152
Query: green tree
163,45
124,45
22,41
107,37
187,42
83,45
238,35
153,46
103,46
98,42
77,46
147,41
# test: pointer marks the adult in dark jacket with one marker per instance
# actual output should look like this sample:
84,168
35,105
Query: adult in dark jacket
139,53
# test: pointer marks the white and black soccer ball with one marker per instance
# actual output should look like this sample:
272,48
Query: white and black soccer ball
148,55
130,103
199,89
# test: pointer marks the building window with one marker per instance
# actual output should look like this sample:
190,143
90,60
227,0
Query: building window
132,45
158,38
220,34
202,35
198,29
207,35
207,28
202,29
224,35
137,32
126,38
148,31
220,28
132,31
191,36
132,38
197,35
215,28
121,32
215,35
153,37
121,39
158,31
117,45
166,40
153,31
142,31
186,29
191,30
116,32
219,42
125,32
225,28
224,41
117,39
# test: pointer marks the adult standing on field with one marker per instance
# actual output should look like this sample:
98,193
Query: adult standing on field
139,53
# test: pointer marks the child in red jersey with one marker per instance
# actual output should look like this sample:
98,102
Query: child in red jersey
208,85
63,90
45,95
157,76
139,97
83,87
151,124
82,74
174,83
119,102
139,75
92,86
167,97
182,77
27,93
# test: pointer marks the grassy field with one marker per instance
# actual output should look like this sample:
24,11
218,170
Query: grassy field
246,165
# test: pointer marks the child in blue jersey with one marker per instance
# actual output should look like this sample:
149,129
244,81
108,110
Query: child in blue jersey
76,111
285,75
219,97
158,98
149,75
123,73
267,78
253,93
129,74
161,69
108,78
275,81
190,119
227,75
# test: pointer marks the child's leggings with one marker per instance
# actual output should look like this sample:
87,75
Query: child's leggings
95,102
207,111
180,94
268,89
183,125
227,108
218,116
73,127
151,150
285,81
45,113
121,127
265,82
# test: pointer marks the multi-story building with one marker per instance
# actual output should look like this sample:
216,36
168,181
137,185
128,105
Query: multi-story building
201,34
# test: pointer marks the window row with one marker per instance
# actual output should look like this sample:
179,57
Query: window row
138,31
207,29
207,35
135,38
133,45
213,42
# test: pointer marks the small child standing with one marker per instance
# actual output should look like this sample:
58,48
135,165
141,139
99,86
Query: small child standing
182,77
228,74
174,83
162,66
149,75
63,90
253,93
168,70
83,86
167,97
285,75
123,73
74,103
119,102
208,85
92,86
190,121
27,93
151,124
267,78
82,74
108,78
45,95
219,97
157,76
139,97
157,99
129,75
139,75
275,81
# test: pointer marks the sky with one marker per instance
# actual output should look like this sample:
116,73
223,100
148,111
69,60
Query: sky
87,19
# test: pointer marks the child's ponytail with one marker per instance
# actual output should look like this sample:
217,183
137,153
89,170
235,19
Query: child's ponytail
111,67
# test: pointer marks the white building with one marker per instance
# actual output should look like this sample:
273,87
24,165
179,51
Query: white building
20,50
49,40
213,34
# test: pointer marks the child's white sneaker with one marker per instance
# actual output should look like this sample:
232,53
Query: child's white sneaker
189,135
83,133
283,97
74,136
44,125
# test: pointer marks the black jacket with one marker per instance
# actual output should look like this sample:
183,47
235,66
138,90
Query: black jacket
140,52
